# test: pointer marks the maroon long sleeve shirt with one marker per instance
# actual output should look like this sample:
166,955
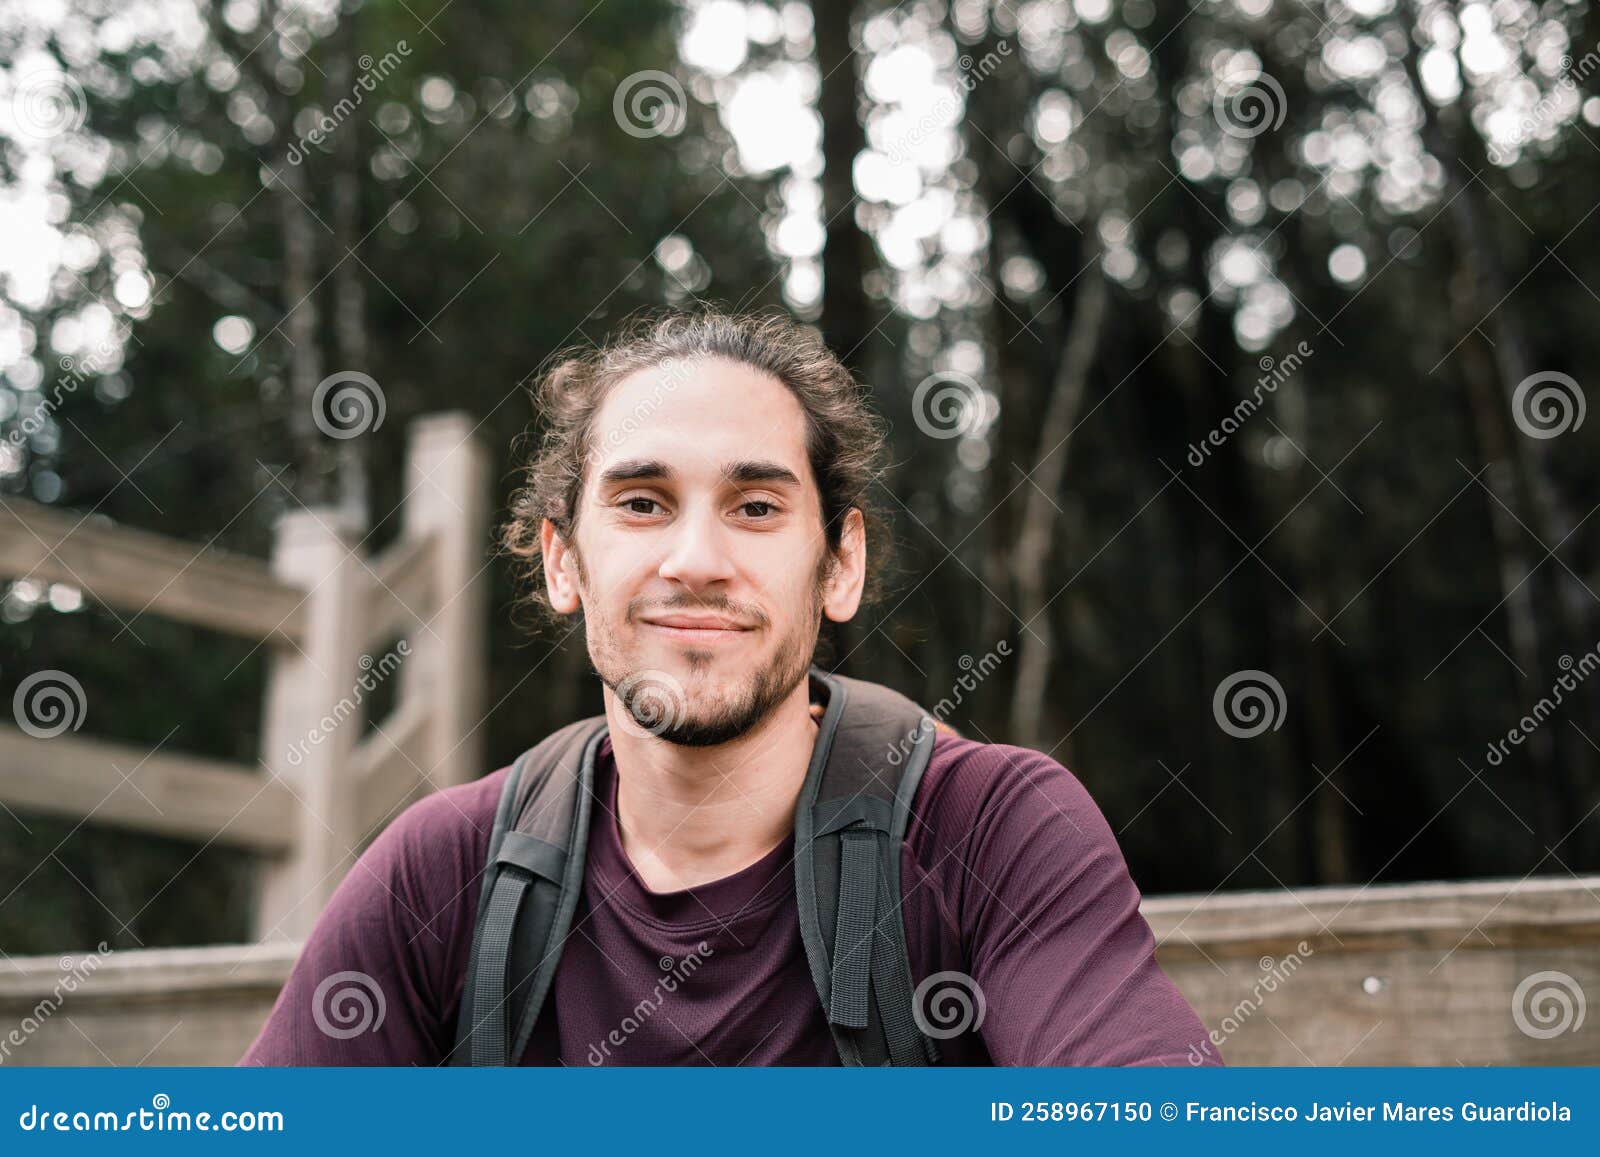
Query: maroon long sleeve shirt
1011,877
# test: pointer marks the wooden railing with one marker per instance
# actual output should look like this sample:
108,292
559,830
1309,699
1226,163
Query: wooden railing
1414,974
320,791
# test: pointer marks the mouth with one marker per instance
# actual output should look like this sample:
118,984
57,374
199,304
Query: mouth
700,630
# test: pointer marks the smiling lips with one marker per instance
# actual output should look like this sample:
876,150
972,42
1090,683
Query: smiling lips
697,628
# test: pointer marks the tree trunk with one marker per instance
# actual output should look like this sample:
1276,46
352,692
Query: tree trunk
350,302
847,253
1040,516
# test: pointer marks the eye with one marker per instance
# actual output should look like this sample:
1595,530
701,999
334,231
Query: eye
761,508
632,505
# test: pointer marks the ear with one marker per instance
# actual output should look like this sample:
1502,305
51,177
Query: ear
842,591
558,581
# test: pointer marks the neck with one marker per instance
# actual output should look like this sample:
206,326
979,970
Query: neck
689,815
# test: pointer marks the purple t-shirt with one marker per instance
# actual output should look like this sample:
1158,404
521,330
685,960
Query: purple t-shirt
1011,878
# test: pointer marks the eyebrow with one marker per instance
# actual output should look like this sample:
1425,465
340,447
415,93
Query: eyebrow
740,473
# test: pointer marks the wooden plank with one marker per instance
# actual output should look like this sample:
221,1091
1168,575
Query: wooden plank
1399,974
1411,1004
135,571
402,588
161,793
1532,911
161,1006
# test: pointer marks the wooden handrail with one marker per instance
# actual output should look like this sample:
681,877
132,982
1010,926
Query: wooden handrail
158,792
136,571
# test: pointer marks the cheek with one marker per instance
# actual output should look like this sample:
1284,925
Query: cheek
614,571
795,593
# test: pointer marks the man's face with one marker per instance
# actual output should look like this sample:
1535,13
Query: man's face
700,562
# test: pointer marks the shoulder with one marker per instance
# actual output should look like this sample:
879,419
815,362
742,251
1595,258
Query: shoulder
433,850
974,793
458,812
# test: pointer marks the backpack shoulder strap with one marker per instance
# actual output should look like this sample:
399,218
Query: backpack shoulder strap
872,747
532,879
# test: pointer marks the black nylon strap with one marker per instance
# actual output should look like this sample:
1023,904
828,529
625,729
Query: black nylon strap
856,930
533,854
489,993
892,986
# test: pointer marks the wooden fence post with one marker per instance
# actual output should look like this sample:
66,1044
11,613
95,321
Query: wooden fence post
447,497
313,720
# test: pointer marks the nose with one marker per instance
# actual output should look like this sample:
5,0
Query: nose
697,556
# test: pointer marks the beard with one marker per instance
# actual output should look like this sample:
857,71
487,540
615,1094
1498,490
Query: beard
658,703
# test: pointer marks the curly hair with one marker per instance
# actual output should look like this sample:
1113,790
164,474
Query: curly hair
845,438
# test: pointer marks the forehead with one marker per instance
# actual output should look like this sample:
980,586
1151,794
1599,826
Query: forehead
697,414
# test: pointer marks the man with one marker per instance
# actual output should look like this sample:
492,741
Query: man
700,498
